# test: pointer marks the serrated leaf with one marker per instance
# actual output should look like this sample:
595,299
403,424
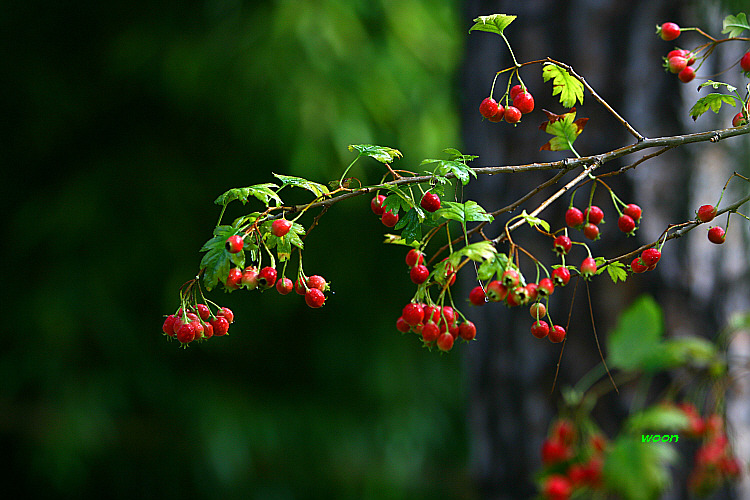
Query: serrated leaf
534,221
628,459
397,200
617,271
411,226
638,332
455,154
481,251
463,212
314,187
716,85
711,101
494,23
383,154
565,129
455,167
733,26
569,88
284,244
263,192
657,418
217,260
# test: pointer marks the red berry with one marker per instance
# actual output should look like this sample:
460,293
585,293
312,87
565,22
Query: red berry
267,277
539,329
560,276
553,451
588,267
565,431
234,280
510,278
677,53
546,286
319,282
430,332
234,244
414,257
626,224
389,219
716,235
676,64
633,211
168,326
562,245
706,213
208,331
498,117
250,278
739,120
432,313
532,291
413,313
668,31
203,311
515,90
314,298
198,327
220,325
430,202
538,310
745,62
226,313
512,114
637,266
650,256
488,107
186,333
524,101
593,214
280,227
686,75
477,296
591,231
447,314
445,342
284,285
574,217
300,286
419,274
467,330
518,296
557,487
377,205
402,326
496,291
556,334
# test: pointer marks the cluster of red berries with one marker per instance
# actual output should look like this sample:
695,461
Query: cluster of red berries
589,220
680,62
195,323
714,460
571,462
716,234
523,103
436,325
646,261
389,219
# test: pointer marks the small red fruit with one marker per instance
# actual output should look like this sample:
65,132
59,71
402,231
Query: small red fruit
538,310
510,278
650,256
626,224
539,329
553,451
477,296
588,267
676,64
377,205
594,215
250,278
414,257
562,245
430,332
532,291
445,342
226,313
220,325
413,313
203,311
319,282
402,326
498,117
432,313
633,211
389,219
430,202
284,285
556,334
561,276
668,31
687,75
419,274
739,120
637,266
234,244
574,217
524,101
186,333
314,298
496,291
300,286
267,277
716,235
546,287
557,487
280,227
168,326
515,90
467,330
745,62
488,107
208,331
512,114
234,280
198,327
591,231
706,213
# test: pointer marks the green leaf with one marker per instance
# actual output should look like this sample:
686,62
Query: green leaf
616,269
411,225
381,153
455,154
317,189
716,85
637,334
284,244
735,25
569,88
494,23
636,470
687,351
495,266
481,251
263,192
534,221
217,261
711,101
657,418
397,200
455,167
565,129
463,212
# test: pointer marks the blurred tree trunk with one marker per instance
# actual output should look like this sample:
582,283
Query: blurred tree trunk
612,44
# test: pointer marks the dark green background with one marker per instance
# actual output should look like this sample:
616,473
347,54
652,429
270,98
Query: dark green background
122,123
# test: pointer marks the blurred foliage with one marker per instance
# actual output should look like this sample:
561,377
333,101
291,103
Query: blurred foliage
123,122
